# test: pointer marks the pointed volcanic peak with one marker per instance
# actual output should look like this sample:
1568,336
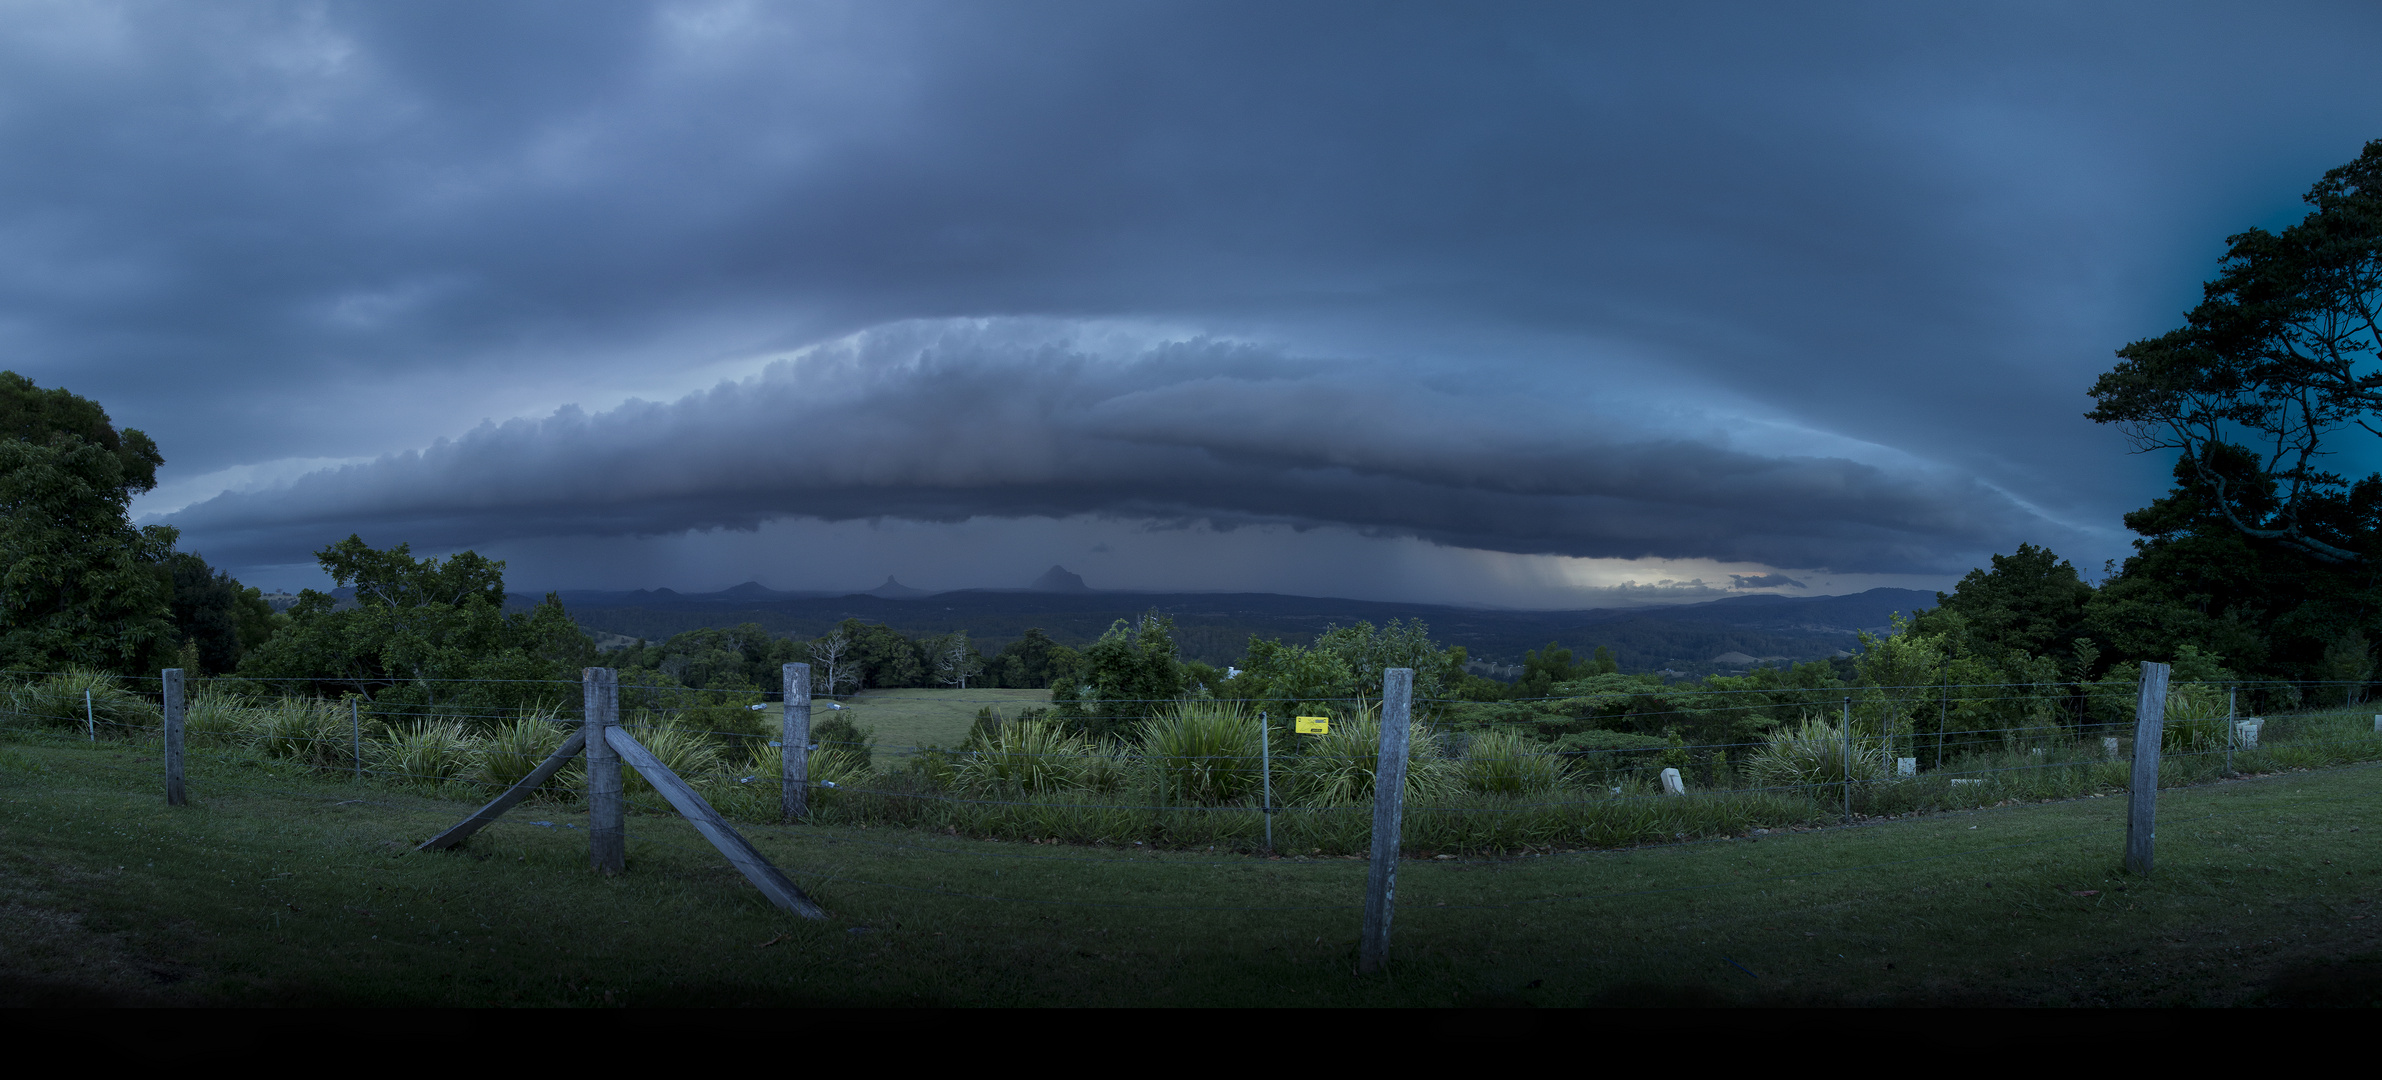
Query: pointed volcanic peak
1058,579
894,590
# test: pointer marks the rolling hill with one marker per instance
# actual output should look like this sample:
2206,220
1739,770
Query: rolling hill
1215,627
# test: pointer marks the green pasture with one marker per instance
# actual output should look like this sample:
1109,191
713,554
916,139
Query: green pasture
279,886
917,717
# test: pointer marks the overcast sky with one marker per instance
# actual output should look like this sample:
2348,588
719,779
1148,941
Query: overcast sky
1538,305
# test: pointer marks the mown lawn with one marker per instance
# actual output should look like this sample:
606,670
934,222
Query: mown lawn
279,887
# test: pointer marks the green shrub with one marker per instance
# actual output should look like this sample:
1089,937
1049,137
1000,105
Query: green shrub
689,752
1337,766
1502,762
1025,756
211,714
728,720
840,735
831,767
514,749
429,753
309,731
58,701
1813,752
1207,752
2196,720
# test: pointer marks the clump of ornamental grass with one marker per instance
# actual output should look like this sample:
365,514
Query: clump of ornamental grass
309,731
1207,752
428,753
211,714
515,748
688,752
1338,765
76,698
1028,756
831,769
1502,762
2196,720
1814,752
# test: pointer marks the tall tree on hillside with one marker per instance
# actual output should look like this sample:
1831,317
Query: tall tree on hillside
2261,553
79,584
2281,361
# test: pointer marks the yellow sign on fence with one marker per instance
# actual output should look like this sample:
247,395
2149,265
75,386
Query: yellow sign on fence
1314,725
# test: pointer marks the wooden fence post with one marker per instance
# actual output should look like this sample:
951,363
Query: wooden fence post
2142,795
607,805
1848,759
794,802
173,736
1389,807
1265,776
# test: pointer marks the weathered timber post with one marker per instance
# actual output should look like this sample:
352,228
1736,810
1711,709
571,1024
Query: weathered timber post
2232,726
1848,759
2142,795
1265,763
355,734
173,736
1389,807
794,797
607,805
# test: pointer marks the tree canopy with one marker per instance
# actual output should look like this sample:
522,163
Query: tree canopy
418,629
80,585
2274,368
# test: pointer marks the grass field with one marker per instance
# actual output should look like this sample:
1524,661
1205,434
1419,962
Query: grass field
906,718
279,887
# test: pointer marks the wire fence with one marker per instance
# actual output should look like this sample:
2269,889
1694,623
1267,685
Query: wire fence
1239,775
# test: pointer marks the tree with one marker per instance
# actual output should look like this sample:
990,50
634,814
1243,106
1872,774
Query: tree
1543,668
1345,666
219,621
2276,365
830,654
955,660
2031,600
1128,674
79,584
1033,662
418,630
31,414
882,656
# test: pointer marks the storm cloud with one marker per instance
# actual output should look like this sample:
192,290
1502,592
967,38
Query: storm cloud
1798,286
945,422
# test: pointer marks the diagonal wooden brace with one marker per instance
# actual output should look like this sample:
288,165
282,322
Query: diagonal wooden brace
747,859
498,805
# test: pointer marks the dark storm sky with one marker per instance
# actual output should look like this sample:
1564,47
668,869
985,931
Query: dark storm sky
1509,303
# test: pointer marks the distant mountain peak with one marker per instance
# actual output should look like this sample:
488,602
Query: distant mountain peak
894,590
1058,579
750,588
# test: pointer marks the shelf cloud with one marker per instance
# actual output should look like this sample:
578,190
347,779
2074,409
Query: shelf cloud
948,421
